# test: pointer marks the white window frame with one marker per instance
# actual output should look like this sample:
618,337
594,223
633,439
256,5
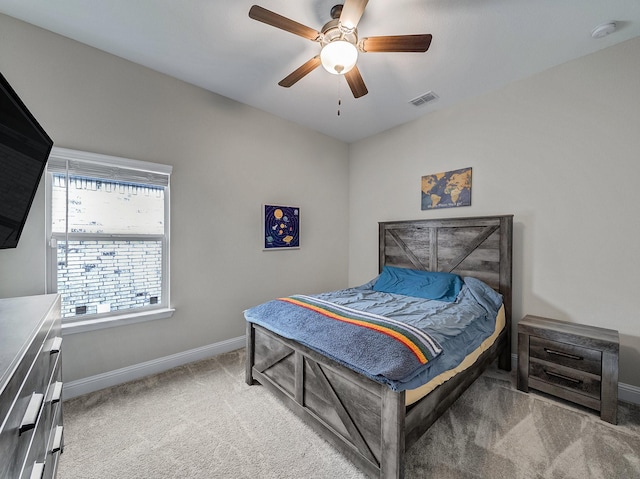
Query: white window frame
128,169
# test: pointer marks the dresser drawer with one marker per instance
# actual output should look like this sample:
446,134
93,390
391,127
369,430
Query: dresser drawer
14,449
44,340
55,445
564,354
50,417
19,431
43,462
26,428
37,447
566,378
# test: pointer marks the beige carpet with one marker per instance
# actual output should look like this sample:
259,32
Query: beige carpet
202,421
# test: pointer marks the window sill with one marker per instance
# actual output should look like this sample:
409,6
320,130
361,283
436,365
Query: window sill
95,324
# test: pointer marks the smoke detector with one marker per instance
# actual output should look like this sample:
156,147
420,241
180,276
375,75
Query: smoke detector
603,30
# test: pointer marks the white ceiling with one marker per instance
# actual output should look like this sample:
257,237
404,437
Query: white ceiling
478,46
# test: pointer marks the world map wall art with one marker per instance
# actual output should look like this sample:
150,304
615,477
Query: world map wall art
281,227
447,190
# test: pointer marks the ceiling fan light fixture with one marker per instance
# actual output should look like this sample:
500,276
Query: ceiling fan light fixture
339,43
339,56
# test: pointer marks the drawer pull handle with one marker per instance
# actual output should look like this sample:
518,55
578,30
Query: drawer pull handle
57,440
37,471
564,355
31,414
56,345
56,395
562,376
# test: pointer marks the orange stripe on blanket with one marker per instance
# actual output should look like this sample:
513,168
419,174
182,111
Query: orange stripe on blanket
384,330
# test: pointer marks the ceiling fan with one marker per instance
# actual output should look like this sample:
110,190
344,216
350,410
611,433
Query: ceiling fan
340,44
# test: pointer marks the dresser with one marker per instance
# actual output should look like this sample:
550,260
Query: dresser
30,387
575,362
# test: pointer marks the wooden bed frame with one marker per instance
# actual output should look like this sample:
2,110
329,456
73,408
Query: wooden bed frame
366,420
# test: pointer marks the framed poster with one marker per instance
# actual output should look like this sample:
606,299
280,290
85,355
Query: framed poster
280,227
447,190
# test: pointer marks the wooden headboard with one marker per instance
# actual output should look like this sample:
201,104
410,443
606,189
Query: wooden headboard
480,247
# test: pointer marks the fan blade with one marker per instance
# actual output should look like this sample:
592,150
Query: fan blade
270,18
301,72
398,43
356,83
352,10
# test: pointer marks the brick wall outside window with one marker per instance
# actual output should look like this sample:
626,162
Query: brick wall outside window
108,238
104,276
107,275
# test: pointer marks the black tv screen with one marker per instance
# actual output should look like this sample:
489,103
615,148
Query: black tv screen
24,150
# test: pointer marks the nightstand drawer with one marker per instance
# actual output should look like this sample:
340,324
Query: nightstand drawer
568,355
577,381
572,361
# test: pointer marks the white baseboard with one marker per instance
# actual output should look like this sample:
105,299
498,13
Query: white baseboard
119,376
626,392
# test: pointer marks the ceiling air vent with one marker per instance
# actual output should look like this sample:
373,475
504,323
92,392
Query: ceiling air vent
425,98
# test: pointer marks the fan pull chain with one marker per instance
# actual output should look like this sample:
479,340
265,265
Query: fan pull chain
339,94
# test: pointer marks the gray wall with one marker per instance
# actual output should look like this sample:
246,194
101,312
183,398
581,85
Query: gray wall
560,151
228,159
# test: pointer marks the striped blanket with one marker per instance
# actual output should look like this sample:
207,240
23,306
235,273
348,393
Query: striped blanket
381,348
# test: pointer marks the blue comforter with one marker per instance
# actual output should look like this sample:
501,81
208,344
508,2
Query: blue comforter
457,329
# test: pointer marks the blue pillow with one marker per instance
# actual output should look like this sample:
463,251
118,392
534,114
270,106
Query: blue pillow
420,284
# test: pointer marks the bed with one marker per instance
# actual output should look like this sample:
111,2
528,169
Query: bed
373,423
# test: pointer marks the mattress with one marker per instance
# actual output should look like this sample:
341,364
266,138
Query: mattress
458,329
414,395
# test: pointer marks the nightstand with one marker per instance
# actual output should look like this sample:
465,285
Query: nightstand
571,361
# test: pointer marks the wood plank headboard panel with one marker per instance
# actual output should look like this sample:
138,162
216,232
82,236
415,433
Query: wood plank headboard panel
480,247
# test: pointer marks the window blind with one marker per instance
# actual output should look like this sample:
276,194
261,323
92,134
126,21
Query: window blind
76,163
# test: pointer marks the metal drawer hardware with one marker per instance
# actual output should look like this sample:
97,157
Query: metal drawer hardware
38,470
31,414
563,354
57,440
562,376
57,344
57,392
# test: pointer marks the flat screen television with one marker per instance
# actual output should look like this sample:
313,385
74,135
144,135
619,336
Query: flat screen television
24,150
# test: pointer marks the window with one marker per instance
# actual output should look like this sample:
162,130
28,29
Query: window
108,230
